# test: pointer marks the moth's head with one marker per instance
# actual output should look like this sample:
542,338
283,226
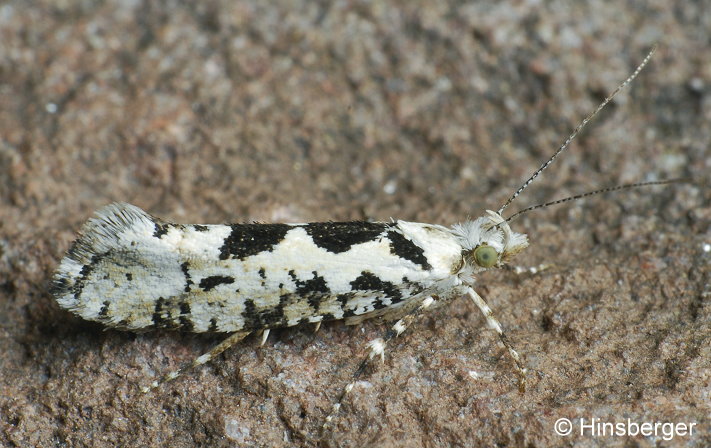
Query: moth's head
488,241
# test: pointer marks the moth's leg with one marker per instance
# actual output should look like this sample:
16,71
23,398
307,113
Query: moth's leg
377,348
231,340
265,335
496,326
528,269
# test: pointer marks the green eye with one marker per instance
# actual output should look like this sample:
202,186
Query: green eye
485,256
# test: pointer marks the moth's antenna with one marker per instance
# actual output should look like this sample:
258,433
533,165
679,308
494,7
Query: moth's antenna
579,128
594,192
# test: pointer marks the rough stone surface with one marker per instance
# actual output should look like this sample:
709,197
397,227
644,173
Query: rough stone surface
431,111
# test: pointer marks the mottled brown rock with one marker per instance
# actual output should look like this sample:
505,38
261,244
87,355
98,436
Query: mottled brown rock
430,111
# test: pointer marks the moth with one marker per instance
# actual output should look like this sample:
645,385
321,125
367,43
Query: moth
132,271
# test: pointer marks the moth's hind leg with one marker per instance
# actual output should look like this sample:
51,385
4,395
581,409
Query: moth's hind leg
377,348
496,326
231,340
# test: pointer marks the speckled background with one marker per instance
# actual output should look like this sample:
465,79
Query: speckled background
213,111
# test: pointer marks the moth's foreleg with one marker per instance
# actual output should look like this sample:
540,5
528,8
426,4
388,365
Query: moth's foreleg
231,340
528,269
496,326
377,349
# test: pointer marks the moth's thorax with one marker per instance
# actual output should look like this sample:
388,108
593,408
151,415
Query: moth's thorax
488,235
440,246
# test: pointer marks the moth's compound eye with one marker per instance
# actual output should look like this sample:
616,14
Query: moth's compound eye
485,256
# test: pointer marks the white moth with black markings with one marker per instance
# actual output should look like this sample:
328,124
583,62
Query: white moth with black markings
132,271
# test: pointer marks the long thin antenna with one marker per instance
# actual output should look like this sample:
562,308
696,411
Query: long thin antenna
594,192
579,128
